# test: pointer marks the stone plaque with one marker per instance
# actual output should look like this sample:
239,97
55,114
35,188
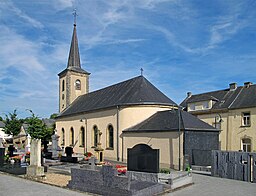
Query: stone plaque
143,158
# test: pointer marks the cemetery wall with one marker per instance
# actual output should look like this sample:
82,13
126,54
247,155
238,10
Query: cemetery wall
198,145
234,165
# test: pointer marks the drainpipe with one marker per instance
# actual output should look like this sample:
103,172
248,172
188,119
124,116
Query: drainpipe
179,136
86,136
122,148
117,133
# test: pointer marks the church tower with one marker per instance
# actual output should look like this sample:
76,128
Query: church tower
73,81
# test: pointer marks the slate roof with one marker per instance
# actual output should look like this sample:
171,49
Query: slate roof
74,57
241,97
169,121
135,91
2,125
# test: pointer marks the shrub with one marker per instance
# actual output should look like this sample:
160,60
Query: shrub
165,170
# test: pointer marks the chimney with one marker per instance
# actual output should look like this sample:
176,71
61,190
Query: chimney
232,86
247,84
189,94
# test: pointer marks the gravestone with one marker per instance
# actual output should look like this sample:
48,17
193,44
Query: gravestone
27,147
69,151
35,168
1,142
2,152
55,147
68,157
11,150
143,158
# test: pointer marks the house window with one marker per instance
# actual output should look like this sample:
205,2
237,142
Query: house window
246,145
62,137
82,136
246,119
110,133
78,85
205,105
95,136
71,137
63,85
192,106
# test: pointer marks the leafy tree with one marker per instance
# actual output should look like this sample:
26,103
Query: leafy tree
53,116
37,129
1,119
12,124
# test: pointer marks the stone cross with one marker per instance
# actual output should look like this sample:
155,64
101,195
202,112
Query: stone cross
55,139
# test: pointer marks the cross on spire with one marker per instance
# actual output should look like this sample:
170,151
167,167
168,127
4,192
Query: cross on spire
141,71
75,15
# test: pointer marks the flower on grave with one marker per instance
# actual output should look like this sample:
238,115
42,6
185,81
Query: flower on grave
120,166
17,158
107,163
121,169
88,154
27,153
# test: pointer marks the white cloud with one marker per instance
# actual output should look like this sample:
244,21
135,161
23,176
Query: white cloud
63,4
19,52
9,6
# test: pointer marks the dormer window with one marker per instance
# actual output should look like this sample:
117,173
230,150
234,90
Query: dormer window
78,85
205,105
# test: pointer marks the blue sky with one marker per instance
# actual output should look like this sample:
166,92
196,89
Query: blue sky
196,46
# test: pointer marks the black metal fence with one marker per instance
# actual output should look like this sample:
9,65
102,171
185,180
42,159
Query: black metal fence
234,165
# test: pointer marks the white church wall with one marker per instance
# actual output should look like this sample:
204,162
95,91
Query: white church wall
128,117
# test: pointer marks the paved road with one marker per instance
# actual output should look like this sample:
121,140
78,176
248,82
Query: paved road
212,186
14,186
204,186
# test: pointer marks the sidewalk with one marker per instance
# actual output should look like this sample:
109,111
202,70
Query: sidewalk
15,186
205,185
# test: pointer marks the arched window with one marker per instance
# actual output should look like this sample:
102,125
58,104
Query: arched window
82,136
63,85
71,137
62,137
95,136
78,84
110,139
246,145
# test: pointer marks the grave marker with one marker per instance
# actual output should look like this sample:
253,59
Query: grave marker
143,158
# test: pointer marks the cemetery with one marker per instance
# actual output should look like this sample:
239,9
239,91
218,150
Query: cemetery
90,172
42,159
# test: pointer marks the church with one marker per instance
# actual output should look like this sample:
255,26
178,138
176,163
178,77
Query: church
118,117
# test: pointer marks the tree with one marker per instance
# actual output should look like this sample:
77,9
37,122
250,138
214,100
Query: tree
37,129
1,119
12,124
53,116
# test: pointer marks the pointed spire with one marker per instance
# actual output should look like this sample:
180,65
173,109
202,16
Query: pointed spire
74,57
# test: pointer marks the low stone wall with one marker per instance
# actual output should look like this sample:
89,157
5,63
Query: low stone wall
106,182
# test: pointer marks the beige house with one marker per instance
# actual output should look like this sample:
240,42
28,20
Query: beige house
110,119
232,110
